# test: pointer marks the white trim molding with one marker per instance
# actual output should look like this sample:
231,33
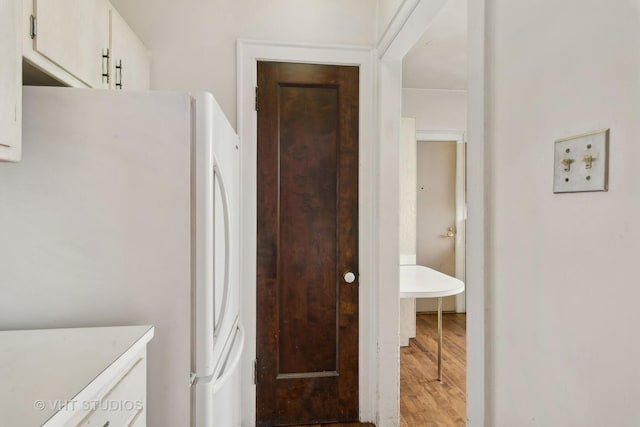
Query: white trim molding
404,31
478,268
388,232
249,52
440,135
406,27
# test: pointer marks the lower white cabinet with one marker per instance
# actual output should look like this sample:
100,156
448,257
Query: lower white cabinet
74,377
124,402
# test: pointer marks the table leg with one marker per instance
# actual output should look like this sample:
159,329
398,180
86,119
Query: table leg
440,339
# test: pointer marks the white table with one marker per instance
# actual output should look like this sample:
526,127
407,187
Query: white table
418,281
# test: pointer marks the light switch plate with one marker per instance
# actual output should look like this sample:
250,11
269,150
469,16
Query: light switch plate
581,163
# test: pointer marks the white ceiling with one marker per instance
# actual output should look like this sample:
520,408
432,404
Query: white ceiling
439,58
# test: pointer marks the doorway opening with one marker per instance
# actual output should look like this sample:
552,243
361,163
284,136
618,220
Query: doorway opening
434,97
433,392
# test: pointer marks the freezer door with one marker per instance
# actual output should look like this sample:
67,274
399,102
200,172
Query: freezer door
217,398
226,388
232,355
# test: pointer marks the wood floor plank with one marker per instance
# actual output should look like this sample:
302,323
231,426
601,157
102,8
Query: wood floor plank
425,402
338,425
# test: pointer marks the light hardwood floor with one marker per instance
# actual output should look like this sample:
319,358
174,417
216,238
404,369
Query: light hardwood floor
425,402
339,425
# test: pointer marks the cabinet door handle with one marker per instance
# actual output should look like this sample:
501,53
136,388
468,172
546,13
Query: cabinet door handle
119,74
105,65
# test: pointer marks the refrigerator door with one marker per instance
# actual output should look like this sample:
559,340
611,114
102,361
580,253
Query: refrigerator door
202,200
216,233
216,200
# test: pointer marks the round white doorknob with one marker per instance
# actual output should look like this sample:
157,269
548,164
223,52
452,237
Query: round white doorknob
349,277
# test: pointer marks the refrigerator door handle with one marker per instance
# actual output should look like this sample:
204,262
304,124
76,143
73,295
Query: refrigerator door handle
217,323
230,369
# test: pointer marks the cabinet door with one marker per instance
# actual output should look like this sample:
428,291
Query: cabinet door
10,80
130,60
74,34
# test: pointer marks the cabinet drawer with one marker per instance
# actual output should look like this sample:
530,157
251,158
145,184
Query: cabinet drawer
123,402
139,420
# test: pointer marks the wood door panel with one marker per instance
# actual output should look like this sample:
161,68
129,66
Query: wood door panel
307,330
307,197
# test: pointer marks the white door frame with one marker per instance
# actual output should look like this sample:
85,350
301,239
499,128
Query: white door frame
478,270
249,52
461,202
408,25
379,219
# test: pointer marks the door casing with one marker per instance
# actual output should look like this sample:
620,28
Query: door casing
249,52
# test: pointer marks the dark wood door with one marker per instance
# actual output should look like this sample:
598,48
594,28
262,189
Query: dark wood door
307,330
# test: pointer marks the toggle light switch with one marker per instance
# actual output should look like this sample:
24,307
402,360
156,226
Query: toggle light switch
581,163
567,163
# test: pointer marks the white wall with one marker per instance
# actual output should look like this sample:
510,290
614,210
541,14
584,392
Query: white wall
564,289
193,46
563,353
193,42
386,10
408,200
436,109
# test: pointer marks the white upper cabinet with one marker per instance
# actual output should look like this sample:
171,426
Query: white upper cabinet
81,43
77,43
74,34
10,81
129,57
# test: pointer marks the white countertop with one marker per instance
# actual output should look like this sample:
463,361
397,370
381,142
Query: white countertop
39,368
418,281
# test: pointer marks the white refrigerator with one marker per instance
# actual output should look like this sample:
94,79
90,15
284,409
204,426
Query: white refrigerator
125,210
